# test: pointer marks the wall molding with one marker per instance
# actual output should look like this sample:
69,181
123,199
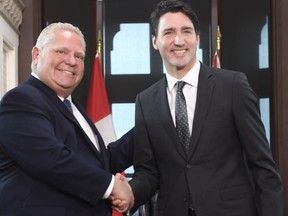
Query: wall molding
11,11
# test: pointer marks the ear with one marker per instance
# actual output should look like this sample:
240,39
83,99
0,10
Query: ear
154,42
35,54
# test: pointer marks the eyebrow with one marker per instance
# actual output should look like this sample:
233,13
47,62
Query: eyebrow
183,27
187,27
67,49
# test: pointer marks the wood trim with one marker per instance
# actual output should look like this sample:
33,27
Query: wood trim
30,29
11,10
279,98
214,23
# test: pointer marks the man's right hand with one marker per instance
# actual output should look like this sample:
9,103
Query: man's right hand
122,198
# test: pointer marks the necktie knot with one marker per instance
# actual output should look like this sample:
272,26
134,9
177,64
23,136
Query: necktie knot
180,85
68,104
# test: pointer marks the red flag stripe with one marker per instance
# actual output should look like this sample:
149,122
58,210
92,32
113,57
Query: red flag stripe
216,61
97,110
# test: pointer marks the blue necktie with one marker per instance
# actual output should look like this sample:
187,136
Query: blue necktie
68,105
182,126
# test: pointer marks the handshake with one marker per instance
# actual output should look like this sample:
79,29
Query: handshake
121,198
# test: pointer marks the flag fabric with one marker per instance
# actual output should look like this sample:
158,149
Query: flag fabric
216,60
98,107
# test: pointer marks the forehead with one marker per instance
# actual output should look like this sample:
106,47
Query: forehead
67,35
174,20
67,38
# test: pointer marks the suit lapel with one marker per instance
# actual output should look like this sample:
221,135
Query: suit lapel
54,99
165,115
71,117
204,94
93,127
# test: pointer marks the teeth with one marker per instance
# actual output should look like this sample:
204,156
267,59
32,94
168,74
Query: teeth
179,51
68,72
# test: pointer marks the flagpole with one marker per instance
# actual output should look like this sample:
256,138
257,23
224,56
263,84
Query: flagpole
216,58
218,42
99,50
99,44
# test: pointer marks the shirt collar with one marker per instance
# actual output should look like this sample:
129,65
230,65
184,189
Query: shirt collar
191,77
35,75
68,98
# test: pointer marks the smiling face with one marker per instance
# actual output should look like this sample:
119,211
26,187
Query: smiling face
60,64
177,43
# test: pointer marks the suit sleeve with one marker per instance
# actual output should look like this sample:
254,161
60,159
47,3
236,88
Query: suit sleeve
251,131
121,152
145,179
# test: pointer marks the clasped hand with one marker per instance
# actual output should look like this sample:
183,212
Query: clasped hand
122,198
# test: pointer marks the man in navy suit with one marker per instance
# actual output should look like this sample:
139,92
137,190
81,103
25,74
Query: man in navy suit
227,167
53,161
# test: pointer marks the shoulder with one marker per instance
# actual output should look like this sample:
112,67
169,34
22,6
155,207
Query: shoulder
23,92
156,87
27,96
220,74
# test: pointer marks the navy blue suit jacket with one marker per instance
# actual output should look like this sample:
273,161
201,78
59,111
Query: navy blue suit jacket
48,165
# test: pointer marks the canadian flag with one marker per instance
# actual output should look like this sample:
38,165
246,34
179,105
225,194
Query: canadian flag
216,60
98,107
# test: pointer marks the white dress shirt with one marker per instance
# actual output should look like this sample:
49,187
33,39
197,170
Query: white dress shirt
189,91
84,124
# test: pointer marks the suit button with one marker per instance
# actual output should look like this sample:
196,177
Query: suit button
188,166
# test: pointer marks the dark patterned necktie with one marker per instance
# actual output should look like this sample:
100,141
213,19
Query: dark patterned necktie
68,105
181,116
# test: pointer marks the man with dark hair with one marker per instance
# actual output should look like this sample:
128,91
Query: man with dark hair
199,138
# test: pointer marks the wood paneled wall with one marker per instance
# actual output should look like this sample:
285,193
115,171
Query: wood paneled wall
279,97
30,29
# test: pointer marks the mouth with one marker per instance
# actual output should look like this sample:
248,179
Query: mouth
67,72
179,52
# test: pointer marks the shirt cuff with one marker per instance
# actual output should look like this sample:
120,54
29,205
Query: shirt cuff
109,189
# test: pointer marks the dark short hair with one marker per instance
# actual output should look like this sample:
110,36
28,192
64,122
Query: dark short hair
173,6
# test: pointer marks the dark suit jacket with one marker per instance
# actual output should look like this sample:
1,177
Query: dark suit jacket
48,166
230,170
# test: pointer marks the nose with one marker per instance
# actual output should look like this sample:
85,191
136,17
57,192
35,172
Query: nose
70,59
179,40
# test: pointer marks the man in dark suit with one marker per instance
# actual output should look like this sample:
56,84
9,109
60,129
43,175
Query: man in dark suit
53,161
226,167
